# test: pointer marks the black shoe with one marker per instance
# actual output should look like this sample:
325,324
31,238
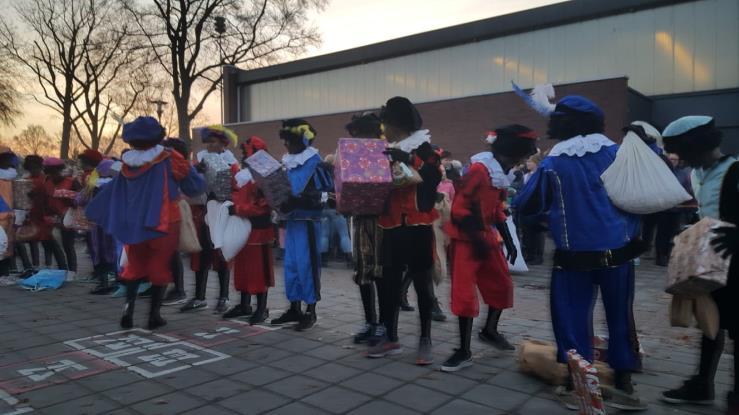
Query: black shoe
194,304
127,318
436,313
289,316
307,321
238,311
458,361
156,321
174,298
694,391
404,304
497,340
221,306
259,317
102,290
365,334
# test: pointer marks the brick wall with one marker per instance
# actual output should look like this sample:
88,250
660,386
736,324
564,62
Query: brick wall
458,125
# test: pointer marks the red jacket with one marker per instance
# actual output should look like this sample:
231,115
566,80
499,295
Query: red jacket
59,205
414,205
249,202
476,196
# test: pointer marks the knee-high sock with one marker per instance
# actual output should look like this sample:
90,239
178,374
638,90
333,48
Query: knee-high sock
388,288
132,291
178,274
69,251
261,302
422,282
201,283
245,300
367,292
51,247
223,277
157,295
491,324
465,334
710,355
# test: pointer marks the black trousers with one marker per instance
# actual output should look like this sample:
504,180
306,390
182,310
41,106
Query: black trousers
662,227
407,249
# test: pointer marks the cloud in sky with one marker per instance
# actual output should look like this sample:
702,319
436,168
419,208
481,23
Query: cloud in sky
346,24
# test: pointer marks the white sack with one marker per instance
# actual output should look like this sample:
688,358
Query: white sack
3,243
216,217
639,181
236,234
520,264
20,217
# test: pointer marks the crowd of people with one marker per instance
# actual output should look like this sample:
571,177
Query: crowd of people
448,213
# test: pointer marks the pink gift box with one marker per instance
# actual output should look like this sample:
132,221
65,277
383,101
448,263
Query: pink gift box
362,176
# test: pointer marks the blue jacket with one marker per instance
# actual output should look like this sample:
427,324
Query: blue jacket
567,192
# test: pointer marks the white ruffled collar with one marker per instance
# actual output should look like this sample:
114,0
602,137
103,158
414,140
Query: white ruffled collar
137,158
243,177
8,174
226,156
498,177
581,145
103,180
292,161
413,141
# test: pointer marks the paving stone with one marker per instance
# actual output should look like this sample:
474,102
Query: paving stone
230,366
218,390
461,406
382,407
109,380
261,376
336,399
332,352
297,408
187,378
254,402
210,409
372,384
296,386
446,382
299,345
53,395
88,405
173,403
137,392
539,406
297,363
496,397
333,372
360,361
417,397
403,370
517,381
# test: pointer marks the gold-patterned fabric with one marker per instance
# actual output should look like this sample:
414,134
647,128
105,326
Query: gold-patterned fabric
367,249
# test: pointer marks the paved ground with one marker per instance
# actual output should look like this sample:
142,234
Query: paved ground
52,363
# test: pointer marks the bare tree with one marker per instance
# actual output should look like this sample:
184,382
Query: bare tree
9,96
33,140
72,48
189,48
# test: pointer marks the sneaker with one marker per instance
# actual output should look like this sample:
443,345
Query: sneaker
119,292
568,398
436,313
238,311
364,334
497,340
259,318
289,316
194,305
378,335
307,321
145,289
458,361
175,298
424,356
693,391
221,306
619,399
384,348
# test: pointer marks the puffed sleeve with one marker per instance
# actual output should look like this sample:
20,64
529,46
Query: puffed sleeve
190,181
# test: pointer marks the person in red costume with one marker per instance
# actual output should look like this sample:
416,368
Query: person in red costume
33,164
408,235
58,203
253,268
476,229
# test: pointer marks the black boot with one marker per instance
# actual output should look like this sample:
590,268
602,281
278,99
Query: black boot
177,294
308,319
155,318
699,390
436,313
462,357
222,305
407,280
292,315
132,289
262,313
367,292
490,333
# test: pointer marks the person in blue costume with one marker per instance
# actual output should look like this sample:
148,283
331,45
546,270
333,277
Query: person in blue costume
697,141
595,244
310,182
139,208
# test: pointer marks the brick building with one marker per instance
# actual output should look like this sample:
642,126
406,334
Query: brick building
653,60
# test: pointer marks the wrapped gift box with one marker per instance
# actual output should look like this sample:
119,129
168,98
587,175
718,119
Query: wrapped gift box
695,268
362,175
587,384
270,176
21,189
600,348
219,184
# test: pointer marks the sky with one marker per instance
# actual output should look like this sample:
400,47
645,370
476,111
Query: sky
344,24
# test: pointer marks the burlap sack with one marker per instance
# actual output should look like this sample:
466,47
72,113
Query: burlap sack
189,243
